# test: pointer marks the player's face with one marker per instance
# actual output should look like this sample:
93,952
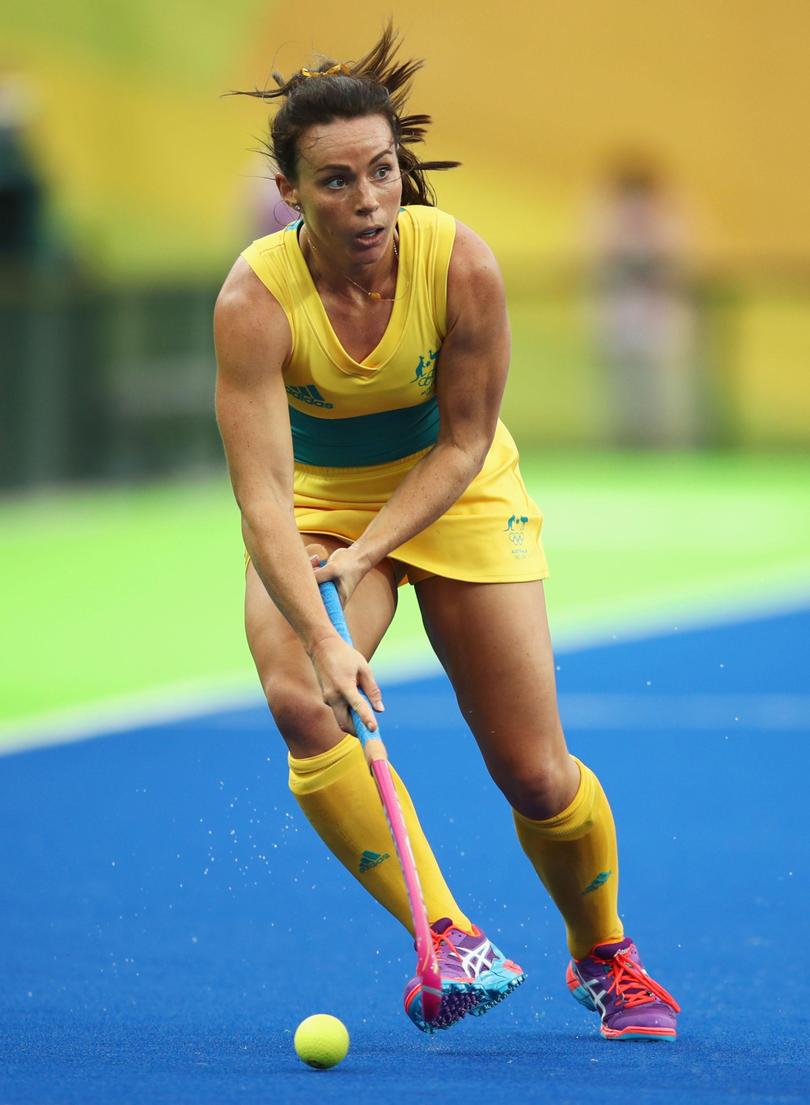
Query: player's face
349,186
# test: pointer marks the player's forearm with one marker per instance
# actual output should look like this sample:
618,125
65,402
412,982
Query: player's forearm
429,489
282,564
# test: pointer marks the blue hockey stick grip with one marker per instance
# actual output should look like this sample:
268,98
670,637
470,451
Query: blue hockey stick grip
331,601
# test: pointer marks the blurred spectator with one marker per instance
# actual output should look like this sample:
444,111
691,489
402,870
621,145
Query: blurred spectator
643,320
22,202
51,375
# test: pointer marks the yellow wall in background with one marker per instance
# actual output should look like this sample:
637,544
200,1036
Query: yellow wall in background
534,99
143,157
150,174
773,368
149,166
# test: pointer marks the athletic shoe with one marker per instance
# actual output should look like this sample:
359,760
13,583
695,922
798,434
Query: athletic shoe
612,981
475,976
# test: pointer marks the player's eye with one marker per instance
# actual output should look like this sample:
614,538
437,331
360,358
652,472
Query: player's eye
382,171
335,182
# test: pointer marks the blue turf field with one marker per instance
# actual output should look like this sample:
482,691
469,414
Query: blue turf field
167,917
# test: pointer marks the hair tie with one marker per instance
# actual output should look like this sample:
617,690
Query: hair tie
339,70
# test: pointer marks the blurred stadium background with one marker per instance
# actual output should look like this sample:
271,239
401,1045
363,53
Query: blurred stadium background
641,172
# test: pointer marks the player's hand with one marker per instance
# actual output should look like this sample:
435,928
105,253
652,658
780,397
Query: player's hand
344,567
343,672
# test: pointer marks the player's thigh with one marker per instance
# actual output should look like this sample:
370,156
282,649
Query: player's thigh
494,643
285,671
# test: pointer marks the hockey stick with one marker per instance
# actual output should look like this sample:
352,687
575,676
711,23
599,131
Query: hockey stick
427,967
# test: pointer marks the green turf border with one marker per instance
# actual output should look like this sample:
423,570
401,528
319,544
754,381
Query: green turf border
111,595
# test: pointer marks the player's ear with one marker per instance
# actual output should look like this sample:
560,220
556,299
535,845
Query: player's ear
287,190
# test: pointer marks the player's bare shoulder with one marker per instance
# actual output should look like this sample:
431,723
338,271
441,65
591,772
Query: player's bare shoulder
249,322
474,278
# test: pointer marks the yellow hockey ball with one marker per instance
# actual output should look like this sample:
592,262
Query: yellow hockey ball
321,1040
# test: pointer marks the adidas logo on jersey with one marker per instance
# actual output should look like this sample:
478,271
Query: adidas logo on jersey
308,393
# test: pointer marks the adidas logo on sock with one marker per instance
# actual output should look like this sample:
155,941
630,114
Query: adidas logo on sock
371,859
600,880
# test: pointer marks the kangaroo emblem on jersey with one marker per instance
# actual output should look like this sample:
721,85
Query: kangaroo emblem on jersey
308,393
426,372
515,532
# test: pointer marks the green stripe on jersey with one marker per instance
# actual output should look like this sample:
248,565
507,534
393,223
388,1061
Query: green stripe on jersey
366,439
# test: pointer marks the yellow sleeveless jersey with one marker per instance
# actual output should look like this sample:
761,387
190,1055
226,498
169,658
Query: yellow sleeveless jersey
344,412
359,427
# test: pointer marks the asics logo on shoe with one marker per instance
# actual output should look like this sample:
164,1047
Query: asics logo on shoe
371,859
597,995
476,960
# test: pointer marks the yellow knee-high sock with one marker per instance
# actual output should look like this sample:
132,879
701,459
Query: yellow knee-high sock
339,797
576,856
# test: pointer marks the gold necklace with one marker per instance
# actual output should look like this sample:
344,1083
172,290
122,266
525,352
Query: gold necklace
375,297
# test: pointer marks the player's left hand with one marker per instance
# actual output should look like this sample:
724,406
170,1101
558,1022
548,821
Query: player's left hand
344,567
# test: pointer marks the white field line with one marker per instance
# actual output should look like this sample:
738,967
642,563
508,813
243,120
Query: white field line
684,712
200,698
606,626
177,702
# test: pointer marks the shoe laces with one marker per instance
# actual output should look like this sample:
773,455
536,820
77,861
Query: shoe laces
634,986
440,938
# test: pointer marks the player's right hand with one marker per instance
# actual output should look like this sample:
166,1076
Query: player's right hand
342,673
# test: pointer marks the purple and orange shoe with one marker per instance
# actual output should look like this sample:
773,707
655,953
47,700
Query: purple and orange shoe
611,981
475,976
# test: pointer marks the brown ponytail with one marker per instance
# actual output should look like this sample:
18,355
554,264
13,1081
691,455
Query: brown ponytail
377,84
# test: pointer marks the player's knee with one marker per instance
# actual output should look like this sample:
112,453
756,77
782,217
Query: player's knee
537,788
298,713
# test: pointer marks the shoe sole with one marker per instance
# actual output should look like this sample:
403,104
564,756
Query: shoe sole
462,998
498,983
457,1001
651,1035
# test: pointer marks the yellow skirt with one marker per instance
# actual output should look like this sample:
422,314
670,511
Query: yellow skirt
491,534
